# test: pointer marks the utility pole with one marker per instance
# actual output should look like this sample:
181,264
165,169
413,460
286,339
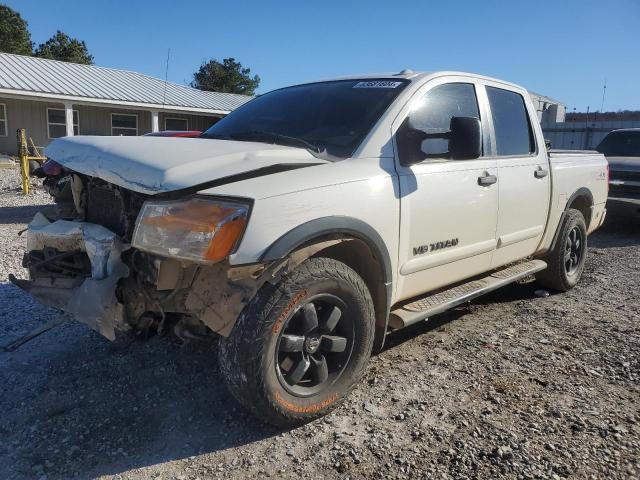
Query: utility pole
604,91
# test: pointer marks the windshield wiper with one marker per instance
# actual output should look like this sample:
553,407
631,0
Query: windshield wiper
277,138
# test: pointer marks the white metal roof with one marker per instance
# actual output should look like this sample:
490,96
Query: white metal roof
40,77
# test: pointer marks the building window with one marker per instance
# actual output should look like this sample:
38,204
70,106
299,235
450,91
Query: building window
3,120
180,124
125,124
57,124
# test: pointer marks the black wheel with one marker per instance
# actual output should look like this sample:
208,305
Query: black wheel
299,347
566,261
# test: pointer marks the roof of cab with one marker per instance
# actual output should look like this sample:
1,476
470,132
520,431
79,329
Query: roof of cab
411,75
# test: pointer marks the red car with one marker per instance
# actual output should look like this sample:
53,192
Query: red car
175,133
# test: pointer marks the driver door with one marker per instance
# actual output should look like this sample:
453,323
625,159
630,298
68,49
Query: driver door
449,208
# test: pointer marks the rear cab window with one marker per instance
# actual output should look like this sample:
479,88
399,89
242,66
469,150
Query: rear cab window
621,144
511,123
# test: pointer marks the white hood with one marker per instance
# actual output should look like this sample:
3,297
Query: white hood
162,164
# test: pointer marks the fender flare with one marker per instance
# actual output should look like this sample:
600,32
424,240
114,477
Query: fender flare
581,192
340,226
326,227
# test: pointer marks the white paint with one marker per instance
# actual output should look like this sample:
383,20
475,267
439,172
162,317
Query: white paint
155,122
160,164
68,116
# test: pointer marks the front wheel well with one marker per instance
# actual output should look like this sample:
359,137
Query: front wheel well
358,255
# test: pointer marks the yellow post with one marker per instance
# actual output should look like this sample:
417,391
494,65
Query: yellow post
23,152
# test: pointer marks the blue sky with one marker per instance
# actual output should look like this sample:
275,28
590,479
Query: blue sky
563,49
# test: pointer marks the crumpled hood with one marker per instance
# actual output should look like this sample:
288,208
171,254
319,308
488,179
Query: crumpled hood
624,164
159,164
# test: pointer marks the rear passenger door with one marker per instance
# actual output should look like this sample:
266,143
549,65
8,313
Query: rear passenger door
523,173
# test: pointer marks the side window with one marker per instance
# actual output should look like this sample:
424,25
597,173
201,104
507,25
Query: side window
432,114
511,124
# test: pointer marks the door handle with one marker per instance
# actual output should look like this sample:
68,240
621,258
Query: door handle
485,179
541,172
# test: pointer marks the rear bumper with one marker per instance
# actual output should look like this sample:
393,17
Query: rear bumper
623,207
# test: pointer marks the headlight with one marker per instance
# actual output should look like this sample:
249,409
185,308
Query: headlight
197,229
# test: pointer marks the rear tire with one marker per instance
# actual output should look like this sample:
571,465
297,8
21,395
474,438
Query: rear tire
566,260
300,346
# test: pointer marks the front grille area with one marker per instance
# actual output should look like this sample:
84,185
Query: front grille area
105,207
113,207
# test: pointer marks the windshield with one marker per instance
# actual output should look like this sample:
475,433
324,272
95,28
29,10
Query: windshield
621,144
326,118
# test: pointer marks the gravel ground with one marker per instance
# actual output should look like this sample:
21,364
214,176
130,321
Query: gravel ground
513,386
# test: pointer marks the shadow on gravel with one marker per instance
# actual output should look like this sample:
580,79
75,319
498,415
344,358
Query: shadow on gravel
23,214
509,293
616,232
81,406
411,332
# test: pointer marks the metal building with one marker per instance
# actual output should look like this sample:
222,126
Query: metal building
52,99
549,111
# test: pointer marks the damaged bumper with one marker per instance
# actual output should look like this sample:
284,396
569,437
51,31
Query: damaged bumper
89,272
62,277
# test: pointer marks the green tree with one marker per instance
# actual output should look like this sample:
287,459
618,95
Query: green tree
64,48
228,77
14,34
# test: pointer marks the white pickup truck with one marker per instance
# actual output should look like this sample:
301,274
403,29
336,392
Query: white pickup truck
312,221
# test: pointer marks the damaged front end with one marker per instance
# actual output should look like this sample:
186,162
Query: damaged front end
130,261
75,267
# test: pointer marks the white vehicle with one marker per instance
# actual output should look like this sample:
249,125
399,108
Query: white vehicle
312,221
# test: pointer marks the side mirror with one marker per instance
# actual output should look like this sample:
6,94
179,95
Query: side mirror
464,140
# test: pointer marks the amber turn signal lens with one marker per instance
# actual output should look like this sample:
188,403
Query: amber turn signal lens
225,239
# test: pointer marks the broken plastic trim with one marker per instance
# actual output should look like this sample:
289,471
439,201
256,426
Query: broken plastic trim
93,302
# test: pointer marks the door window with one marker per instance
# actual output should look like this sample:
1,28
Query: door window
432,113
513,132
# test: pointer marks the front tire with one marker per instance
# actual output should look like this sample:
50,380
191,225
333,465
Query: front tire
300,346
566,260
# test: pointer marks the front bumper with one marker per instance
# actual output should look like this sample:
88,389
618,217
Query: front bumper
91,298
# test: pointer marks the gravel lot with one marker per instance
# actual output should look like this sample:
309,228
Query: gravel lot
513,386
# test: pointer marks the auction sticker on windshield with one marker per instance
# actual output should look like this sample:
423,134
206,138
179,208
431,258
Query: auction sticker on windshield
378,84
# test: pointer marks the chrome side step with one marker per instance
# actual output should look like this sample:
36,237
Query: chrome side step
424,307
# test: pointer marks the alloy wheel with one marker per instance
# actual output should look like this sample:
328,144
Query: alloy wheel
573,251
314,346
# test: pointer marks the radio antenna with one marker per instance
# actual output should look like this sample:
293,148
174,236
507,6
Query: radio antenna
604,91
166,76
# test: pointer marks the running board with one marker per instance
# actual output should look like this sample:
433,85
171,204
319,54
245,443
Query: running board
424,307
